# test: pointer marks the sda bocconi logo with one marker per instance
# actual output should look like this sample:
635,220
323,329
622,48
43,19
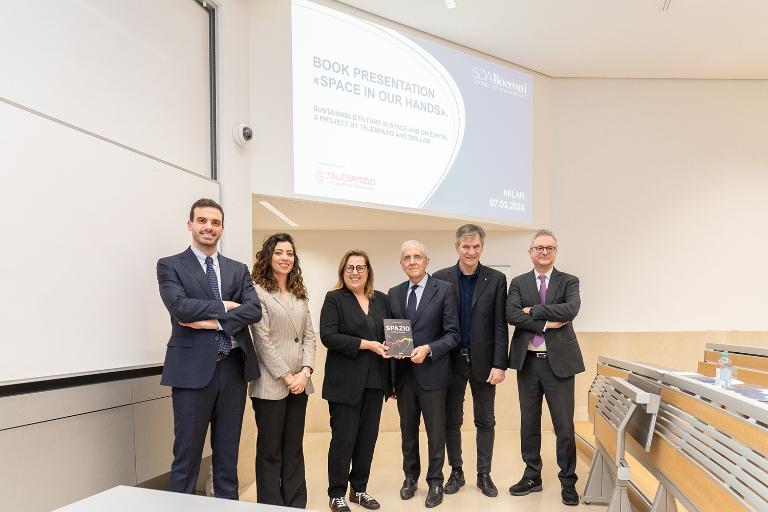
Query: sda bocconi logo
494,81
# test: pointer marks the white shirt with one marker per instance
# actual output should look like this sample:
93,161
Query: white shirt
419,290
215,256
548,275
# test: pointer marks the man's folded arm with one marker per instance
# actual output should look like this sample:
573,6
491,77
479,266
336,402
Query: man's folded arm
181,307
515,314
563,312
249,311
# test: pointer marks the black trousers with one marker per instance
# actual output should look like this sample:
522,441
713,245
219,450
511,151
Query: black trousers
354,430
536,381
483,396
413,401
280,451
221,403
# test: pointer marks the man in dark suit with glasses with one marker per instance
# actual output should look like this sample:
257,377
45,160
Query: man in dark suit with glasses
542,304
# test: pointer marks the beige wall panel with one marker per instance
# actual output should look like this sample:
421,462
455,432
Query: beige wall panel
149,388
55,463
18,410
154,438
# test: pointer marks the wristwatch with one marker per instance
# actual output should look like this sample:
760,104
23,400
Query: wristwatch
307,372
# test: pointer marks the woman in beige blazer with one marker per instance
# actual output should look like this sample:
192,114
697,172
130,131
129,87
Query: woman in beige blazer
285,345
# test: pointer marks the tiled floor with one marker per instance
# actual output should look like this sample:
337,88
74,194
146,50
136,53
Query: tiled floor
387,477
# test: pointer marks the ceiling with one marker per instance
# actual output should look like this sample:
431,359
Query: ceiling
717,39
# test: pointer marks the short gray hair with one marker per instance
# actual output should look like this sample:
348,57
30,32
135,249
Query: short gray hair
469,230
422,247
542,232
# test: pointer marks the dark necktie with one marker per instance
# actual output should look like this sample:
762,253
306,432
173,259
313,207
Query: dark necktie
224,345
410,310
539,339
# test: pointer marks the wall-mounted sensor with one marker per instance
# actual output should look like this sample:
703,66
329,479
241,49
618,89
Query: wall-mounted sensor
242,134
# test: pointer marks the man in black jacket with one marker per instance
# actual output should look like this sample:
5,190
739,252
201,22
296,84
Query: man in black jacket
421,381
480,358
542,305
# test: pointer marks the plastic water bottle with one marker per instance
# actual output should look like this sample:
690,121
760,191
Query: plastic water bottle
724,372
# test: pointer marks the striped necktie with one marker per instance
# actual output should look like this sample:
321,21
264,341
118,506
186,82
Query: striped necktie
224,344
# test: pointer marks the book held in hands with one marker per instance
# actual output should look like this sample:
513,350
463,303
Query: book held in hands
398,337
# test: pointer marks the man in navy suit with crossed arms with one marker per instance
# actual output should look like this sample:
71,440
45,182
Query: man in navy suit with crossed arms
210,356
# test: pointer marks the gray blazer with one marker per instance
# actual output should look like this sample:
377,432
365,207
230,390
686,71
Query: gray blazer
561,305
284,341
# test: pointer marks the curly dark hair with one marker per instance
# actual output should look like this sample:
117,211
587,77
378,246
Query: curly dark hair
262,269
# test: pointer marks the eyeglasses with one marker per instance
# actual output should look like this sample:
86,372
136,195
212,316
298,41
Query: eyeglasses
351,268
413,257
542,248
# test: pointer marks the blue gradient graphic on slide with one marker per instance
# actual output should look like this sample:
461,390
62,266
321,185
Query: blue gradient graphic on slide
388,119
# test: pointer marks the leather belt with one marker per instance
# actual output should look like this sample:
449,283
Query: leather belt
221,355
540,355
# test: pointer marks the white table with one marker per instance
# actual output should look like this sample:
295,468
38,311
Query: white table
130,499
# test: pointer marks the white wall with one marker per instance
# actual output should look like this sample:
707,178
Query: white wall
234,100
659,201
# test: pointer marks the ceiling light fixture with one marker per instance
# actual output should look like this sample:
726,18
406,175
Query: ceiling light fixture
450,4
269,206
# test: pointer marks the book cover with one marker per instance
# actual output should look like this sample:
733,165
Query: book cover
397,337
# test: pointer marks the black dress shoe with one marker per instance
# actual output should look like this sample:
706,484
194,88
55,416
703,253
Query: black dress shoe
485,484
338,504
569,495
364,499
408,489
525,486
434,496
455,481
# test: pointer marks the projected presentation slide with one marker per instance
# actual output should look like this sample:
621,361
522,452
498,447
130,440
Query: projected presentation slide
384,118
